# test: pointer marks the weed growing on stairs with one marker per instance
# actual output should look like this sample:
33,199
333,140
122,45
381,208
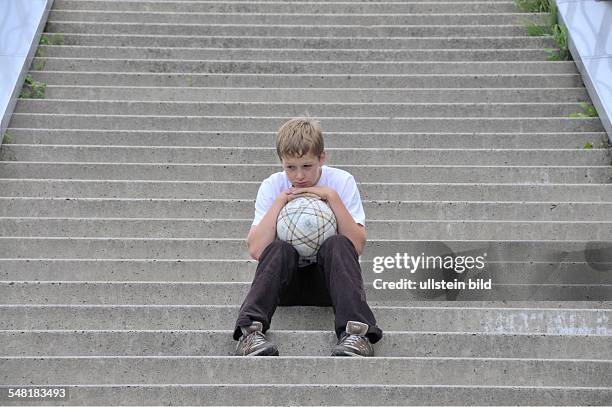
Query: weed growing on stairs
40,62
33,89
8,139
534,30
533,6
559,34
552,28
588,110
56,39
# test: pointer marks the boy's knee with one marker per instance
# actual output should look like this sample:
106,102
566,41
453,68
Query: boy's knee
337,245
337,241
278,246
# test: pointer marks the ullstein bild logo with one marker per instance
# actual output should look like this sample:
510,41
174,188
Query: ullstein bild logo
412,264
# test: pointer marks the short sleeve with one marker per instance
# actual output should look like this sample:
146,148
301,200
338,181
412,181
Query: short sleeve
352,200
265,198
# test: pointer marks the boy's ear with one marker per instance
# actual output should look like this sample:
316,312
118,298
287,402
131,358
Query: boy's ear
322,158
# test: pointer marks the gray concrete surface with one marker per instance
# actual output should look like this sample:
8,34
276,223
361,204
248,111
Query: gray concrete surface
126,194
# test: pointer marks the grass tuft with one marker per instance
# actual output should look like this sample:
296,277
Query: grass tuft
534,6
588,110
33,89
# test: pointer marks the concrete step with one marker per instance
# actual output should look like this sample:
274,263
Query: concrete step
289,29
267,109
513,317
337,124
499,250
301,67
327,95
271,18
340,81
534,272
262,155
295,54
307,370
257,172
290,7
244,209
232,293
248,189
298,343
426,229
331,394
321,43
332,139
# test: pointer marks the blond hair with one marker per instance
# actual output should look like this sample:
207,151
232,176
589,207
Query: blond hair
298,137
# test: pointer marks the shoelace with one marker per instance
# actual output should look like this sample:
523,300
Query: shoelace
354,340
254,339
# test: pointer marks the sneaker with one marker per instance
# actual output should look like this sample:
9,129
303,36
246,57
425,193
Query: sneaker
353,341
254,343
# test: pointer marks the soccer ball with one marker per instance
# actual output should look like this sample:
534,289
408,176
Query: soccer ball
306,222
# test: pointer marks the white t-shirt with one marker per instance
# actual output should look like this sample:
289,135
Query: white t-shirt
335,178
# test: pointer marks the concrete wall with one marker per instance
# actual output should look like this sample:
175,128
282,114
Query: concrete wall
21,23
589,23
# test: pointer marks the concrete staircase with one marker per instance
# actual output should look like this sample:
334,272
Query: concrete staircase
126,195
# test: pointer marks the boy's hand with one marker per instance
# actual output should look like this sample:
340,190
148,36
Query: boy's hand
285,196
324,193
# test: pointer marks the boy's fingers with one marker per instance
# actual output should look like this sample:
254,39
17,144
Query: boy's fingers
292,196
310,194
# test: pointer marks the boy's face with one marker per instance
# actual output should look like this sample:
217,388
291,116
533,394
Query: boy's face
305,171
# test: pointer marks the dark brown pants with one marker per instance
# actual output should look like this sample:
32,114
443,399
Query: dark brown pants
334,280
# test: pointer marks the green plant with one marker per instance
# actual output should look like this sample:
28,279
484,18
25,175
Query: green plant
55,39
8,139
553,14
559,34
33,89
588,110
534,30
588,146
533,6
40,52
552,28
189,80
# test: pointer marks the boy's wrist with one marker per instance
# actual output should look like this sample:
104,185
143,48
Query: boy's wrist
283,198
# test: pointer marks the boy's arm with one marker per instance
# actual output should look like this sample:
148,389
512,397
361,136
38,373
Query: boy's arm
346,224
262,234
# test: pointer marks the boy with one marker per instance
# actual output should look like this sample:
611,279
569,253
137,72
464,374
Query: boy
282,277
